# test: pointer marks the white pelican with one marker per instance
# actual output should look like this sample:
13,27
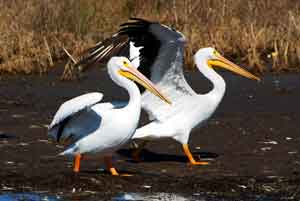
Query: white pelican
102,127
161,48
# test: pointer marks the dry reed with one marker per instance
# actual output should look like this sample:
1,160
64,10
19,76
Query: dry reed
255,33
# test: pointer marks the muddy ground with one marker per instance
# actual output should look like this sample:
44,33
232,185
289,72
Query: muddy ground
252,143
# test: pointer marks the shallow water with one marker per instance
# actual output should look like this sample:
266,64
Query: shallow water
194,197
133,196
28,197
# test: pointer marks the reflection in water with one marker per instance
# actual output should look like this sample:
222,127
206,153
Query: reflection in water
194,197
138,197
149,197
27,197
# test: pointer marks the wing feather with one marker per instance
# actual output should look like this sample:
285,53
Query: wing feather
75,105
171,83
161,58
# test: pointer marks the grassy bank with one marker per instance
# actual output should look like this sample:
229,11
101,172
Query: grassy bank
255,33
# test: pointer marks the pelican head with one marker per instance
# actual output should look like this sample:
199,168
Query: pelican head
214,58
121,66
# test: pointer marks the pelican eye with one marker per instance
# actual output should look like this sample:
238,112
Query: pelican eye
126,64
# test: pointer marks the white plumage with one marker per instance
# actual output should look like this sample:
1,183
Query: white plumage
102,127
163,51
189,109
73,106
134,53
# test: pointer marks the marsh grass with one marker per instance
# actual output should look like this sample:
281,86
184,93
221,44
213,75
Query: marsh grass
261,35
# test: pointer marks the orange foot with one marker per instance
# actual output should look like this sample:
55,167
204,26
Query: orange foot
108,163
190,156
112,170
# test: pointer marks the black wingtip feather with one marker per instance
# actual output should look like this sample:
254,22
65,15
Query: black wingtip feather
94,55
136,30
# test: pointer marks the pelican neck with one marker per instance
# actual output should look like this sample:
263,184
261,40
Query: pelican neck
218,82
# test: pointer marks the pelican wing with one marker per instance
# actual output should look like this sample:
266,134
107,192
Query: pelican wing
161,59
158,52
171,82
69,109
82,123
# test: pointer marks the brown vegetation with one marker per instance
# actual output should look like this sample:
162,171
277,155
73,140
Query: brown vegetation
256,33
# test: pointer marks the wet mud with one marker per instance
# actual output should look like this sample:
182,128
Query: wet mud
251,142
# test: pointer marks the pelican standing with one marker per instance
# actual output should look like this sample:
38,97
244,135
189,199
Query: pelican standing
102,127
161,48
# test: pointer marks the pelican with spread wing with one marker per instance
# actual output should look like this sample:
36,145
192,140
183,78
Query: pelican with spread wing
161,48
102,127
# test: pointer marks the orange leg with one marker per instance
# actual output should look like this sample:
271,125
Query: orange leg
77,163
190,156
107,161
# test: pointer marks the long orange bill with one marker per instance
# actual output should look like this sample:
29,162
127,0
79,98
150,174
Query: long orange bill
225,63
133,74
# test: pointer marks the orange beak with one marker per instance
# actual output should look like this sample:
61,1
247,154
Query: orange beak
133,74
225,63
